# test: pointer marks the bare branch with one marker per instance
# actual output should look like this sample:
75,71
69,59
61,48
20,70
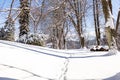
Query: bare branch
10,9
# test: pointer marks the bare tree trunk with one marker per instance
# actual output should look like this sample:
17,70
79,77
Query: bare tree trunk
94,12
24,17
118,31
110,5
82,40
96,20
109,27
98,24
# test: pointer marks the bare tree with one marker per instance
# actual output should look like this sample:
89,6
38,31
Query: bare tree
58,26
37,14
78,7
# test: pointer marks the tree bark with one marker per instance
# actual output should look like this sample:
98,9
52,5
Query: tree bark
109,27
96,20
24,17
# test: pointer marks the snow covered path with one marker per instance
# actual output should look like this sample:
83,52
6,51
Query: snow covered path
27,62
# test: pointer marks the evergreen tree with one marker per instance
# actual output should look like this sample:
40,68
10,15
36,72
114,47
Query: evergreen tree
7,32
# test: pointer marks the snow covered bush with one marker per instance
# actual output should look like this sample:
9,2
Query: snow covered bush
99,48
22,39
2,33
33,39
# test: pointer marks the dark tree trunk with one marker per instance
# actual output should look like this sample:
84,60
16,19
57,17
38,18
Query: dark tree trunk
110,5
96,20
24,17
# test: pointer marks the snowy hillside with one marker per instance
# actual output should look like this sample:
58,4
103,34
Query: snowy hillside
27,62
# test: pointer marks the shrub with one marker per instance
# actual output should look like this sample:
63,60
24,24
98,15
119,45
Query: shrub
33,39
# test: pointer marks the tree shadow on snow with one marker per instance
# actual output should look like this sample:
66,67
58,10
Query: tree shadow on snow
91,56
115,77
4,78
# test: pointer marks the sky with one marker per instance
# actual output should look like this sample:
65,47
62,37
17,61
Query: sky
5,4
116,7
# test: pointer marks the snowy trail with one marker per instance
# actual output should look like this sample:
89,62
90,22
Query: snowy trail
76,65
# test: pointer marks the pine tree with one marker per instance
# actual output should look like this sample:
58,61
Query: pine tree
7,32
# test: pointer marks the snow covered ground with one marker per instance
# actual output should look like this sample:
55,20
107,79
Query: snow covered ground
27,62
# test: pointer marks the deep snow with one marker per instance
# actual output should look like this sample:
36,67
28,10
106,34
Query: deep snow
27,62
